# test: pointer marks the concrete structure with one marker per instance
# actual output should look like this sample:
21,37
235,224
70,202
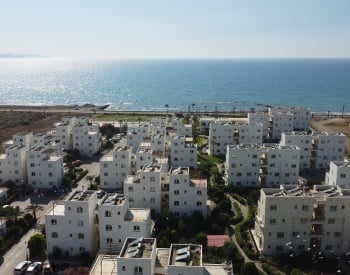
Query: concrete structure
13,165
183,152
44,167
117,221
186,195
144,189
249,165
327,147
222,134
180,128
136,135
339,174
301,117
141,256
63,132
292,219
316,149
263,118
158,142
71,226
144,156
115,168
86,137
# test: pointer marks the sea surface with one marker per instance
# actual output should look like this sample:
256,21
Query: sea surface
199,85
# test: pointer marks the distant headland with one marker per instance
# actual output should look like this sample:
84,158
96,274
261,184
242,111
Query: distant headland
16,55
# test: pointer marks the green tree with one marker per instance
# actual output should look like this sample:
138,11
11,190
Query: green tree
249,269
296,271
36,244
34,208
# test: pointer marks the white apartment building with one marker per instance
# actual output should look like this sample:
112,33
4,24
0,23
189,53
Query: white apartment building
44,167
115,168
249,133
204,124
63,132
186,195
13,165
157,130
183,152
249,165
316,149
305,143
339,174
158,142
293,219
143,156
280,122
327,147
86,138
20,139
224,133
301,117
263,118
71,226
221,134
137,135
160,121
144,189
141,256
117,221
47,140
180,128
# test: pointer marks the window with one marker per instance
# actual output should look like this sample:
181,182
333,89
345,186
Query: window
305,208
109,240
152,179
333,208
54,235
295,234
81,236
32,165
272,221
152,189
337,234
80,223
136,228
53,222
342,176
153,200
138,270
280,234
331,221
79,209
199,203
176,192
176,203
176,181
199,192
108,213
303,220
273,207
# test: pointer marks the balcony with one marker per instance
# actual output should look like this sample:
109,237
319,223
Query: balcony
316,229
318,214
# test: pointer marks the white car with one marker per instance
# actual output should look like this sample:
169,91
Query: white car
21,268
34,268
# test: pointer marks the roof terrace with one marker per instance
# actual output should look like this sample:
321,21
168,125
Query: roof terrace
185,255
141,248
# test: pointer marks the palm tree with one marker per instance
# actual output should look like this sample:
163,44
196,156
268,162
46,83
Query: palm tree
167,108
33,208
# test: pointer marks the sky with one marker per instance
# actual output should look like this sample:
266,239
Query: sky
176,29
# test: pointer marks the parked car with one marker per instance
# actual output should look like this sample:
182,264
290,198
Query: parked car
100,194
77,163
34,268
21,268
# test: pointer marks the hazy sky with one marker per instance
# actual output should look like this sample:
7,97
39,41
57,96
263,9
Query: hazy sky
176,29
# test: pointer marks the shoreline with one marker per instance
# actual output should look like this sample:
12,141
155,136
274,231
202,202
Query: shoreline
100,109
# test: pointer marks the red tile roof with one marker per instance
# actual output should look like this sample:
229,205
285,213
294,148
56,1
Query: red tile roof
217,240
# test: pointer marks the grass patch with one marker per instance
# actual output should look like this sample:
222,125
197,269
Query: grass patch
131,117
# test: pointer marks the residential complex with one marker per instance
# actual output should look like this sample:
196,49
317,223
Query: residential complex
250,165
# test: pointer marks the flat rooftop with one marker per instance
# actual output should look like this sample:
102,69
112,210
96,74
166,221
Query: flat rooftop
141,248
199,182
180,171
114,199
137,214
56,210
185,255
81,196
324,191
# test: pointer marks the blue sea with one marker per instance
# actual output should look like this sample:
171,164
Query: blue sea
233,84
